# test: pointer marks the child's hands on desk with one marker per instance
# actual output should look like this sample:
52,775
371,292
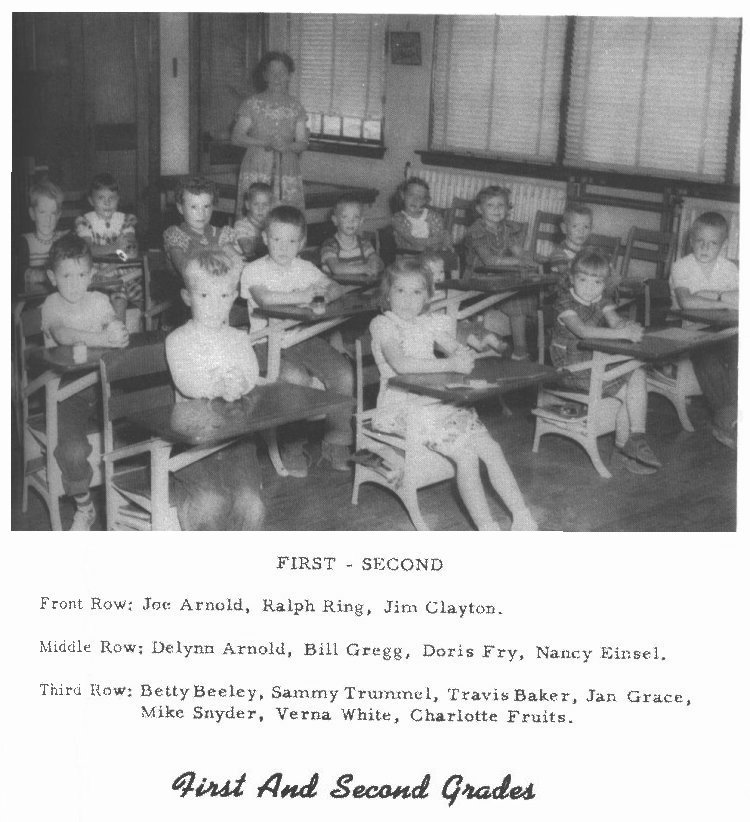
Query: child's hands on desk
117,334
462,361
633,332
229,384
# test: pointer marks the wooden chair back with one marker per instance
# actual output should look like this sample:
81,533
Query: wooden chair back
655,247
133,378
459,217
545,232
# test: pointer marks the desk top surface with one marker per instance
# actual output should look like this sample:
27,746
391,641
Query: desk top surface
507,280
660,344
717,317
362,280
208,422
491,376
60,358
355,302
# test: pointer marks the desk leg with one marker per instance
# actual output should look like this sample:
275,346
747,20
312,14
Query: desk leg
275,333
54,477
540,327
160,516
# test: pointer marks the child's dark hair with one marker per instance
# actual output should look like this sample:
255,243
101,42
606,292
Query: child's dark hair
591,261
578,209
405,266
404,187
45,188
259,74
68,247
711,219
257,188
195,185
213,263
493,191
103,181
287,215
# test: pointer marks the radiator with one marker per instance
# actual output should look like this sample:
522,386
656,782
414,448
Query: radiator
692,208
525,197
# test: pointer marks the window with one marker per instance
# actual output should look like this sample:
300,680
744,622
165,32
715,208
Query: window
340,73
652,95
497,84
643,96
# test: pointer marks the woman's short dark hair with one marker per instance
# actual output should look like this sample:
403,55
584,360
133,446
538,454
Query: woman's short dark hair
265,61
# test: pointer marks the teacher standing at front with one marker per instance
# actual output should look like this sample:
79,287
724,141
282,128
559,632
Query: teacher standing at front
272,126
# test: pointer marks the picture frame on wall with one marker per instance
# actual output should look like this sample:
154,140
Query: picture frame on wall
406,48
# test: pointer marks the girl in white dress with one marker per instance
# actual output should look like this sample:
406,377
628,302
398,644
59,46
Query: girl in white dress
403,341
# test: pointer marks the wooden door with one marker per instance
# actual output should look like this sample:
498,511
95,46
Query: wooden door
226,49
86,100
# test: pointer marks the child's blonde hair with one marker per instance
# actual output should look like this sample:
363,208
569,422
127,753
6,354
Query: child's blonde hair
591,261
710,219
45,188
212,263
405,267
493,191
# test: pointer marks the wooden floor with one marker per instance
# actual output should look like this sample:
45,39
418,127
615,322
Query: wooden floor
695,491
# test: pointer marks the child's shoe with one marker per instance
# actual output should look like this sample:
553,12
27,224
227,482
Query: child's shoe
295,459
631,465
520,356
337,455
638,449
83,518
727,437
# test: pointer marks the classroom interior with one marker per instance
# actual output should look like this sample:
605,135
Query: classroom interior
151,98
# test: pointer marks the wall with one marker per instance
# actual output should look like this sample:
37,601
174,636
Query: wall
174,43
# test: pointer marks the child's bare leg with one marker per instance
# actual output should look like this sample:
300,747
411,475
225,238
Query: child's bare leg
636,400
634,446
472,491
622,420
504,482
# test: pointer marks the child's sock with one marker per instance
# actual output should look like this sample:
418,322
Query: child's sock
85,513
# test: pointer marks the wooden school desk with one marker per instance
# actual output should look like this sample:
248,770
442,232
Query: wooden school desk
498,284
713,317
291,324
206,423
490,377
662,344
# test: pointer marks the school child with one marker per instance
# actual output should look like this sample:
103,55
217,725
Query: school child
704,279
195,198
75,315
576,226
45,206
471,332
346,252
582,311
281,277
403,341
107,230
249,228
416,227
494,240
209,359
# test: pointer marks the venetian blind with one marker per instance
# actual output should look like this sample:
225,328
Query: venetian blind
340,72
652,95
497,84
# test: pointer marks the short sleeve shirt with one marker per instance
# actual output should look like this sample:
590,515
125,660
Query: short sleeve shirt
687,273
358,254
92,314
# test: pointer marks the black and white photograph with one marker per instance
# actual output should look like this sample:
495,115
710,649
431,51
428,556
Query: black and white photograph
347,272
310,271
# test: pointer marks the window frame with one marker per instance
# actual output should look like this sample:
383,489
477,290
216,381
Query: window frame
353,146
558,170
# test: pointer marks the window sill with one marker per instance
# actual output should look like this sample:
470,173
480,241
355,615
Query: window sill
373,152
596,177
